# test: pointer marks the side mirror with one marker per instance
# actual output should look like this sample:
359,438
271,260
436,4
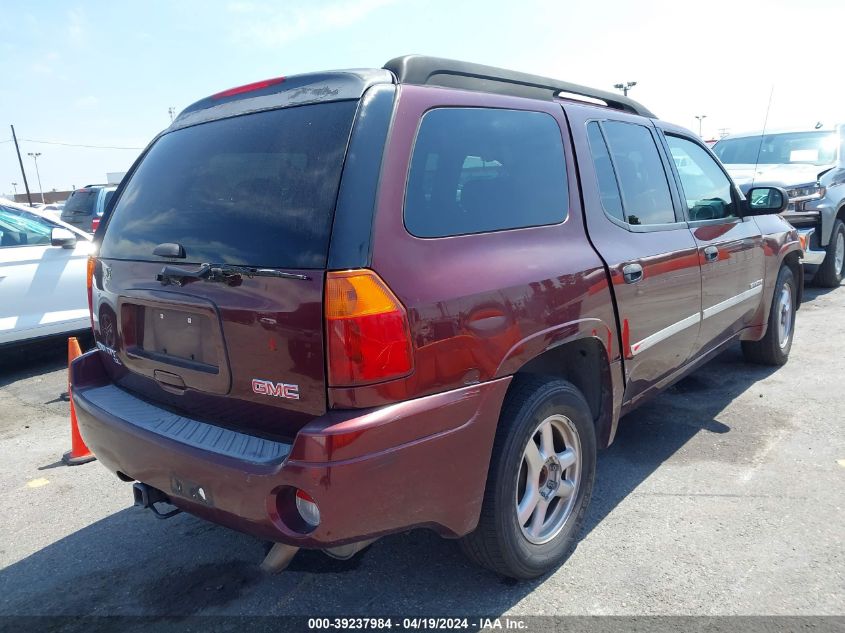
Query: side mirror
62,237
766,201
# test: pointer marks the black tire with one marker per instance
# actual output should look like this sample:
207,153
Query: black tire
769,350
829,275
498,543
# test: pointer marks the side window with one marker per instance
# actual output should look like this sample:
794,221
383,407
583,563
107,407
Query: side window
706,188
645,191
476,170
19,228
608,187
106,201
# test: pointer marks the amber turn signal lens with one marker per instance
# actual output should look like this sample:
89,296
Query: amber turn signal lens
367,332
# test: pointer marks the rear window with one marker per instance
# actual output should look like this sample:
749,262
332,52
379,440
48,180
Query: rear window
255,190
81,202
476,170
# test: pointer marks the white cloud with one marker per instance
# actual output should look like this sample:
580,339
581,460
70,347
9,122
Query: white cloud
86,103
241,7
76,26
45,65
266,26
40,68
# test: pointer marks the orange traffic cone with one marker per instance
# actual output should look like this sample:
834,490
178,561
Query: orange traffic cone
78,453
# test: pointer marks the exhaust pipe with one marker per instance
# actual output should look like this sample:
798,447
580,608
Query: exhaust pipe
278,557
146,497
345,552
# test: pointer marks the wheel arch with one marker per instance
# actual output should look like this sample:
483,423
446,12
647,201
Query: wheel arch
793,260
583,361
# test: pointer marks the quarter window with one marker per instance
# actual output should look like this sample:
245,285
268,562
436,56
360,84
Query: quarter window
476,170
645,191
706,188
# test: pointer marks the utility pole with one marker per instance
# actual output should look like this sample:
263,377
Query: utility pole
20,162
35,156
625,87
700,118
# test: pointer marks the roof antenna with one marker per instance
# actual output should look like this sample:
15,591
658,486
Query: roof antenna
762,136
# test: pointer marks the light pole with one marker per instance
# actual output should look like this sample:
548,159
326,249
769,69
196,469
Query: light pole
625,87
35,156
700,118
15,187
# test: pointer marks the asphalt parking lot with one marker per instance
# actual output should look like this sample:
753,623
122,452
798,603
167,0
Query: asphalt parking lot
724,496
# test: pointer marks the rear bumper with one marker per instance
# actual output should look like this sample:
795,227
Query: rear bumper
417,463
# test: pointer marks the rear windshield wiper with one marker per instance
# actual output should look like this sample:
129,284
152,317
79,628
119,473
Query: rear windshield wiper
224,273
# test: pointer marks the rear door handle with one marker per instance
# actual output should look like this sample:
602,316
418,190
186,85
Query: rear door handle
632,273
711,253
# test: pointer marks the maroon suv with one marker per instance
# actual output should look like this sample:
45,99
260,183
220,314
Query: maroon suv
333,306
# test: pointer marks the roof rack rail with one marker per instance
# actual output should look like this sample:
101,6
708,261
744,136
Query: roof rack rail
449,73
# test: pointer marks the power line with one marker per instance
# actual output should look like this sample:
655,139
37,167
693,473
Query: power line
32,140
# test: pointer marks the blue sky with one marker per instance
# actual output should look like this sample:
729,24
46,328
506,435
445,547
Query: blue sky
105,73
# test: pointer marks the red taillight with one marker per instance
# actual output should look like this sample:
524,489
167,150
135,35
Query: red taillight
367,331
89,282
94,224
257,85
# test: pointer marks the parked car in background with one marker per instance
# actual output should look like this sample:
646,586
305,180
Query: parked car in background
343,304
43,263
810,165
54,209
84,207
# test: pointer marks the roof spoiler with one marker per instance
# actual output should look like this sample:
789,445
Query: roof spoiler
449,73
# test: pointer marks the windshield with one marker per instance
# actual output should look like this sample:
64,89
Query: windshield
257,189
807,148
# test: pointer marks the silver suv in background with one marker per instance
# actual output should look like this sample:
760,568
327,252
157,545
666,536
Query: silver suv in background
85,206
810,165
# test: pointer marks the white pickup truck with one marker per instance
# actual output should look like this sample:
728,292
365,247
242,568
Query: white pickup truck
810,165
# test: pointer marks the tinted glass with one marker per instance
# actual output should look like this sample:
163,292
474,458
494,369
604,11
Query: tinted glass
706,188
19,228
81,202
476,170
608,189
106,200
645,190
812,148
253,190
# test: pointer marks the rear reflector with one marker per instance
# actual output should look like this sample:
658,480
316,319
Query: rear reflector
89,282
257,85
307,508
367,334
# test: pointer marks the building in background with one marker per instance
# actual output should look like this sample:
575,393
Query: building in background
50,197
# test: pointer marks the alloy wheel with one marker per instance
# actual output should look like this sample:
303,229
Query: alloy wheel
548,479
783,310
